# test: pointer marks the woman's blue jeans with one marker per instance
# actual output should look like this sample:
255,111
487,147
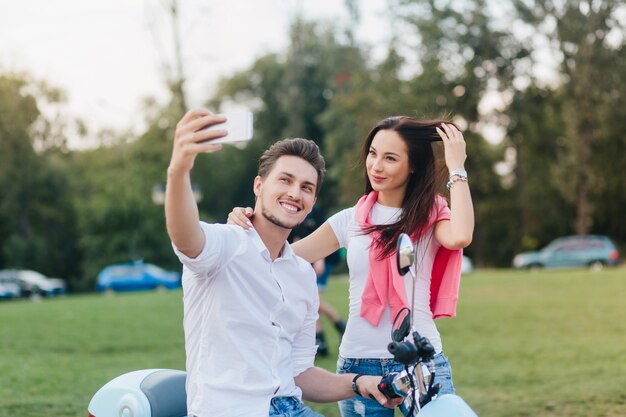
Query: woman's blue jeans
290,407
365,407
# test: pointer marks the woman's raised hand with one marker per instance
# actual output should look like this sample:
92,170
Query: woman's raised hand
241,217
454,146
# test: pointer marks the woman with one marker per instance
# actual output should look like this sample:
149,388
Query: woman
401,195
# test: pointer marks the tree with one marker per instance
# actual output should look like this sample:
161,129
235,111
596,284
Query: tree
36,228
461,56
535,133
289,94
115,212
609,188
589,39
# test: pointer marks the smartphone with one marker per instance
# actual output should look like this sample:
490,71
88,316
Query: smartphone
238,125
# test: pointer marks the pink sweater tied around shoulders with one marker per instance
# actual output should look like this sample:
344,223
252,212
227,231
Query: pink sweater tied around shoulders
385,285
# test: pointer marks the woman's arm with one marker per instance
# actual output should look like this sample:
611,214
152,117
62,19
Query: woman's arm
318,245
457,232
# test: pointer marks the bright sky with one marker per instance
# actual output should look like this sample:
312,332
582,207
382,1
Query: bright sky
109,54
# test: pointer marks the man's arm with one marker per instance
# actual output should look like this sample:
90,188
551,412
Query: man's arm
320,386
181,211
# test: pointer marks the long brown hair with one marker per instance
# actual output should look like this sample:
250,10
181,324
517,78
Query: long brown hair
426,177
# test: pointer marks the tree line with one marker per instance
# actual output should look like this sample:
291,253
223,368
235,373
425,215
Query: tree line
556,169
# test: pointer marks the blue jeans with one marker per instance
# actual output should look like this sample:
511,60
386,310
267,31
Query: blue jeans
365,407
290,407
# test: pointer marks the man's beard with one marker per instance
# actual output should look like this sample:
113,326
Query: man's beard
275,221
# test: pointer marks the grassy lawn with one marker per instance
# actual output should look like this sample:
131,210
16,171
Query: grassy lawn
523,344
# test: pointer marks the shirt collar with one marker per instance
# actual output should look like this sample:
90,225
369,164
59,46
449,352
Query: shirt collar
285,253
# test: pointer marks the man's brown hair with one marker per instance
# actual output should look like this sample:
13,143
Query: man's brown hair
302,148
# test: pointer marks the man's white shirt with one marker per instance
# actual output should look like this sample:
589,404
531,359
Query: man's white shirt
249,323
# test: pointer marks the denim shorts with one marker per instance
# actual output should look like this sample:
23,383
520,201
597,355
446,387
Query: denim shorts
290,407
360,407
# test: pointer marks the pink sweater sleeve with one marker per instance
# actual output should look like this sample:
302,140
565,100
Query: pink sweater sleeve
446,274
445,281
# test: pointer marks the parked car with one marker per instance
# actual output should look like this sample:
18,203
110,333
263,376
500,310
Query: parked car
33,283
9,289
571,251
136,276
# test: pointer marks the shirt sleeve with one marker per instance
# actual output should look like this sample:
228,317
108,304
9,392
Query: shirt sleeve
303,347
340,223
221,244
443,211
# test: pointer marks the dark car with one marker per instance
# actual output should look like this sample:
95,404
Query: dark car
571,251
33,283
136,276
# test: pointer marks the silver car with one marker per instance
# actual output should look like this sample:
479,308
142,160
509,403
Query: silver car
33,283
9,289
571,251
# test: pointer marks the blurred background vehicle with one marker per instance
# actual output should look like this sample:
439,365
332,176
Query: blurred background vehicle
571,251
9,289
467,266
33,283
136,276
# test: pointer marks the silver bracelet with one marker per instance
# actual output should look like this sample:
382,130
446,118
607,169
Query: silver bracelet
458,171
455,178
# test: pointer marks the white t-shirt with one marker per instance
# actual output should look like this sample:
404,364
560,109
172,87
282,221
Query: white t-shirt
362,339
249,323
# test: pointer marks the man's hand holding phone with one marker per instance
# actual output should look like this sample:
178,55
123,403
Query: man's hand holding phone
191,138
181,210
200,131
237,124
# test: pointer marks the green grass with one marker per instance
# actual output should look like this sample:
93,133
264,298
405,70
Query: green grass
523,344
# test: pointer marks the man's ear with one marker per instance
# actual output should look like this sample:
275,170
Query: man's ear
258,185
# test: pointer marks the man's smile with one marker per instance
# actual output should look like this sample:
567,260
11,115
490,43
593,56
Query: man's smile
290,207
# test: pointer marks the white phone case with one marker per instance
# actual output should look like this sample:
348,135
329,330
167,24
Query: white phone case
238,125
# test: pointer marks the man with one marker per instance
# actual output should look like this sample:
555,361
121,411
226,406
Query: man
322,269
250,304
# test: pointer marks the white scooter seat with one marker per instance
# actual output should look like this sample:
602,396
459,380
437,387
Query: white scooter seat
143,393
165,391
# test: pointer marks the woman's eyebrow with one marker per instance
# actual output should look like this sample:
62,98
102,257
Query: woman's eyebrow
386,153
